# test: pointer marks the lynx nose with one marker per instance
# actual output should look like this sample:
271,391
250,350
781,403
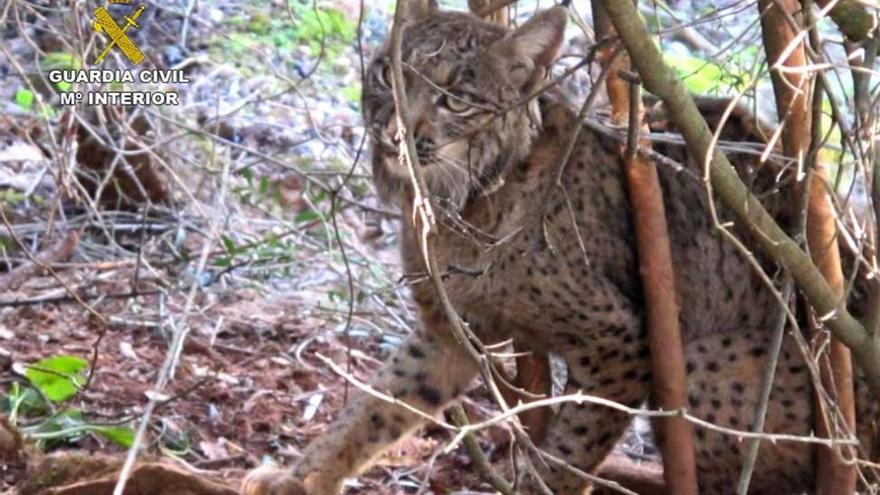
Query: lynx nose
425,149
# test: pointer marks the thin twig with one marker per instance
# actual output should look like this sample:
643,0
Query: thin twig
767,379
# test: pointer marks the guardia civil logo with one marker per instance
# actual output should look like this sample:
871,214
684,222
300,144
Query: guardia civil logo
124,83
117,34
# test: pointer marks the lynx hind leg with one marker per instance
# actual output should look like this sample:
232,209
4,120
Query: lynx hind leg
724,378
427,372
583,434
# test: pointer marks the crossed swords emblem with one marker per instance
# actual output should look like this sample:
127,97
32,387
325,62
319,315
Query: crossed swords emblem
105,22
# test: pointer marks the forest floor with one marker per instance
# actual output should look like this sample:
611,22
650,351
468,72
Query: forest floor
255,385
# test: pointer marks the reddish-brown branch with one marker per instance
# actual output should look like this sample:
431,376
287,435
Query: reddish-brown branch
833,475
533,375
658,280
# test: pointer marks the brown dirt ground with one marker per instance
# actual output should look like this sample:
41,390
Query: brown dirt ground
237,395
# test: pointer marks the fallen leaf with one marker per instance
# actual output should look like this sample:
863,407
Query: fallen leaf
127,351
214,450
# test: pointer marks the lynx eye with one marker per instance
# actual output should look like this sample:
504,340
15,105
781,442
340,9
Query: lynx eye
456,105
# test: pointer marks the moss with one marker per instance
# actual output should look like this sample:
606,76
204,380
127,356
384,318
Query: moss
260,23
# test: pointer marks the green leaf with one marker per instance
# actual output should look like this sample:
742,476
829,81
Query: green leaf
70,426
229,245
307,216
57,377
24,98
120,435
706,77
264,185
25,401
321,196
68,418
59,60
273,241
47,112
64,426
352,94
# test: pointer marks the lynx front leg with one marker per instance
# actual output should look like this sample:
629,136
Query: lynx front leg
427,372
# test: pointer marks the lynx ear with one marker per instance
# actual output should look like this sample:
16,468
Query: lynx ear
415,10
531,48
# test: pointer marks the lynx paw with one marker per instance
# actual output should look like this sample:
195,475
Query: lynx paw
269,480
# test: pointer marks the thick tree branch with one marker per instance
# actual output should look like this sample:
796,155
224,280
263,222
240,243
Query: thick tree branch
534,376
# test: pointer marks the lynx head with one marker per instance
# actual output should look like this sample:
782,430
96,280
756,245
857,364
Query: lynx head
465,81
